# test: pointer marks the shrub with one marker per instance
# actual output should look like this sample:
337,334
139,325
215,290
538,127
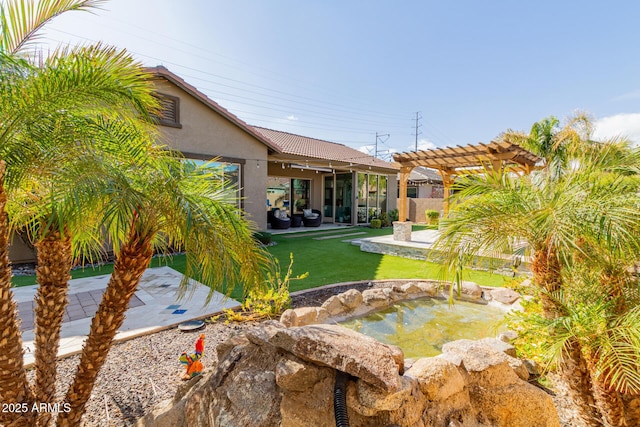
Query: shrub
393,215
376,223
263,237
270,299
432,216
384,218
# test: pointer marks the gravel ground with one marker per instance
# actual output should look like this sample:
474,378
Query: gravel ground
144,371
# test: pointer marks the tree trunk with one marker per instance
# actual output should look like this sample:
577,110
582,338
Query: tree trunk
53,274
547,275
14,387
610,405
132,261
575,372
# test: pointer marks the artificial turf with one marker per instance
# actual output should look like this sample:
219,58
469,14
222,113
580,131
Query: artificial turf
330,260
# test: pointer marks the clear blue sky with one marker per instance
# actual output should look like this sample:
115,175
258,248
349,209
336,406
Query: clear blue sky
344,70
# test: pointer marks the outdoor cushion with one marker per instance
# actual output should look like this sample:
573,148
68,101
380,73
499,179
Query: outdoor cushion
282,215
312,216
307,213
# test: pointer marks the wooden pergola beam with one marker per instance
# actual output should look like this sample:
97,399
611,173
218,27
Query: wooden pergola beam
461,160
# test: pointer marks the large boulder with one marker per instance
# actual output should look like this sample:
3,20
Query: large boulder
515,405
276,376
470,291
480,356
351,299
438,378
377,298
334,306
345,350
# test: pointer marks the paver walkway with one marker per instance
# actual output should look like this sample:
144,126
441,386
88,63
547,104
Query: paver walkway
154,307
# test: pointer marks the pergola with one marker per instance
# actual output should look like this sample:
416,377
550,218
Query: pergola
454,161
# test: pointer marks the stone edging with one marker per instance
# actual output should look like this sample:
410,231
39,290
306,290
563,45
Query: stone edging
354,303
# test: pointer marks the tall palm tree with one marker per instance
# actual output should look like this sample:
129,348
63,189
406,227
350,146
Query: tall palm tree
564,215
54,207
554,143
81,81
167,202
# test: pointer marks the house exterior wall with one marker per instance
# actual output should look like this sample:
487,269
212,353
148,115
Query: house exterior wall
19,252
207,134
392,193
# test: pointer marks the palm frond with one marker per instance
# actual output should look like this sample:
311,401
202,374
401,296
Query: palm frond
21,20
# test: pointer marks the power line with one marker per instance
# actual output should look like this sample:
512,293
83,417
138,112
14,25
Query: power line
345,109
339,109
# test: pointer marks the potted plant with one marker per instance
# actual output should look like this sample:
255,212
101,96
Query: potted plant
432,216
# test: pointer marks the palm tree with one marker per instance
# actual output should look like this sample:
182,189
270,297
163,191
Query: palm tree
566,216
81,81
553,143
54,207
167,202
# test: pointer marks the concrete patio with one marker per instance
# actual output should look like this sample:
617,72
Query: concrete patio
154,307
421,247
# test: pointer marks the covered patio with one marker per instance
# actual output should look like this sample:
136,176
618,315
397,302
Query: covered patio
339,184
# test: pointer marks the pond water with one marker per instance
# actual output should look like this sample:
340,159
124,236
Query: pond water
421,327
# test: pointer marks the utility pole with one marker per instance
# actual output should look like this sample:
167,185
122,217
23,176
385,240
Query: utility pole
378,136
418,126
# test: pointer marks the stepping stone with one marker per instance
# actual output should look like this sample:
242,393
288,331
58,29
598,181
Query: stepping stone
337,236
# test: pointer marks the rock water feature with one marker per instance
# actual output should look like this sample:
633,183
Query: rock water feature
420,327
283,374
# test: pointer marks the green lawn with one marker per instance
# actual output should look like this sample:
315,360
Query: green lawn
327,261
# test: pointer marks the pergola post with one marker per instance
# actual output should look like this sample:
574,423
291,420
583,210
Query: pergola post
402,202
402,227
447,181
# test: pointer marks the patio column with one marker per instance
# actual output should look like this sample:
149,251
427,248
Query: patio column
402,227
447,181
402,201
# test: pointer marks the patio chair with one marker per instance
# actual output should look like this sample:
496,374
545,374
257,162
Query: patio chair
279,220
312,218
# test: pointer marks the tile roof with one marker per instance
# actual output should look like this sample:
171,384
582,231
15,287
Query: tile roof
420,173
311,148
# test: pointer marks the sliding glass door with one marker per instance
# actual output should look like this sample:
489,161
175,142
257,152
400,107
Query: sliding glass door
344,198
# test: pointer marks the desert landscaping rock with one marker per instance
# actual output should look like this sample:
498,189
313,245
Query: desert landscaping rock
376,298
288,381
342,349
438,378
479,356
471,291
304,316
505,295
142,376
334,306
351,299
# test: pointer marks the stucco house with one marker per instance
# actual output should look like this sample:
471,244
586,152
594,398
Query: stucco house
269,168
275,169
